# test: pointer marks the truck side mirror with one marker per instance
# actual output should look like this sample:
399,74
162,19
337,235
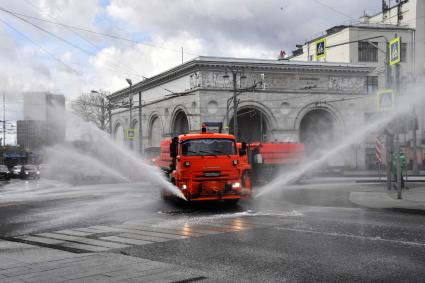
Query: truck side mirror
242,151
173,147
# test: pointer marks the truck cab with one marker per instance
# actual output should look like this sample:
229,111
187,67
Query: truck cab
208,166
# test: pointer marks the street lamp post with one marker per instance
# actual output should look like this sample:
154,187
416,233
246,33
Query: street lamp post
130,97
236,93
234,98
105,106
235,107
140,123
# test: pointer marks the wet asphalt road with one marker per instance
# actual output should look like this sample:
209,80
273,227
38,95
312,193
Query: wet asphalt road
306,233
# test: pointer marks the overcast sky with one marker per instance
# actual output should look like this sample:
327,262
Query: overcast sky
37,55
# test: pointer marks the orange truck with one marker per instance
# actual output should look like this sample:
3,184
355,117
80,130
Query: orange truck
206,166
272,158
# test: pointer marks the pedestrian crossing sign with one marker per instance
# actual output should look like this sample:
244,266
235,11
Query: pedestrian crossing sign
320,48
130,134
385,100
395,55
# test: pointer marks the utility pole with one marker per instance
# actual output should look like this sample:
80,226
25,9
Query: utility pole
130,97
4,121
110,117
4,127
140,123
235,107
414,141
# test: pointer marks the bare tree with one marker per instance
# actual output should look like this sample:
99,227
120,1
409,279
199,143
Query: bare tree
92,107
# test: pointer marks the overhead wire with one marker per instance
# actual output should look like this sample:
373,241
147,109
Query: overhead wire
118,64
98,33
333,9
85,51
40,47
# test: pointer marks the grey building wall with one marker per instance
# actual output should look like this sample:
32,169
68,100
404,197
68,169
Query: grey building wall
290,91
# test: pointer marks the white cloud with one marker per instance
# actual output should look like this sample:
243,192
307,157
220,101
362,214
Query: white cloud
240,28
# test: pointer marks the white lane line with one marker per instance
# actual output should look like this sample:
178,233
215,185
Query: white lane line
352,236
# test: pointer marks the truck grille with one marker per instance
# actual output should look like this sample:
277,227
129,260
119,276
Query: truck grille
212,174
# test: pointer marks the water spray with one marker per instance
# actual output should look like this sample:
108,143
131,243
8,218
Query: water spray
409,100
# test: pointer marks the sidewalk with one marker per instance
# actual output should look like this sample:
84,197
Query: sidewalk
27,263
374,173
412,199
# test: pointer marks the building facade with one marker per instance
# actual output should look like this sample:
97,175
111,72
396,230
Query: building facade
44,121
366,42
310,102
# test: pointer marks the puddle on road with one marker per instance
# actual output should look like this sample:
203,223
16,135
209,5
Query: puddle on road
176,212
189,216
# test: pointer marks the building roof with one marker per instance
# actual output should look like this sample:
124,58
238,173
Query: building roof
339,28
209,62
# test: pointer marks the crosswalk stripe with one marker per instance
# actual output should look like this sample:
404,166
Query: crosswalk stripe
82,240
125,240
74,233
143,237
157,234
41,240
216,228
182,231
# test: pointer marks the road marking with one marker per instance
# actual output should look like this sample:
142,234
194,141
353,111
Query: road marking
82,240
125,240
103,238
143,237
352,236
183,231
42,240
74,233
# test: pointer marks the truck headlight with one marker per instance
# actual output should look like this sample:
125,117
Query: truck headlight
236,185
235,162
26,173
184,187
38,172
187,163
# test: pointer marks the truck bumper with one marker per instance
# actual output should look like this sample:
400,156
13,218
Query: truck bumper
205,191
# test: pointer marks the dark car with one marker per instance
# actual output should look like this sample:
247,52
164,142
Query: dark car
29,171
152,153
16,171
4,172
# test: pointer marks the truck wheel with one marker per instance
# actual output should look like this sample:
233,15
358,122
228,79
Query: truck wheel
165,196
231,201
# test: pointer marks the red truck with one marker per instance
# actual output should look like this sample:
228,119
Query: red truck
206,166
269,159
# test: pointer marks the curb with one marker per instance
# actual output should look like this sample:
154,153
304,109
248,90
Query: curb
384,201
384,181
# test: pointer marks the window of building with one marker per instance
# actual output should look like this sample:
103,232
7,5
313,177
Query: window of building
403,52
372,84
311,58
368,52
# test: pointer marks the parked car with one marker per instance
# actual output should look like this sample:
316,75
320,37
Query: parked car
16,171
4,172
29,171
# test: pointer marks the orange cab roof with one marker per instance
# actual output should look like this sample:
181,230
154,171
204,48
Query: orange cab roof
206,135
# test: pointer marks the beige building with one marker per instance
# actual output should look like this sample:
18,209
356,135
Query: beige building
365,42
310,102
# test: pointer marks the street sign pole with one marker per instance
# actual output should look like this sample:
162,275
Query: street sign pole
395,58
397,138
388,136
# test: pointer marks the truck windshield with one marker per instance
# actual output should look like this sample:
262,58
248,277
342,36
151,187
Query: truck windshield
214,147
